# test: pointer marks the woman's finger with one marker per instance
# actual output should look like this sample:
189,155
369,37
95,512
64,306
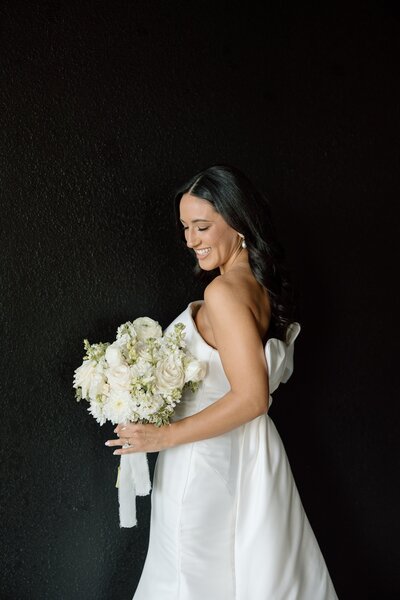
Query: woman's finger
117,442
121,430
130,450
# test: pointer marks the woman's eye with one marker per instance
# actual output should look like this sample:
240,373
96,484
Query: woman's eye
199,228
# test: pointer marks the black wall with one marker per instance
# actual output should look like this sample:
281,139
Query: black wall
104,108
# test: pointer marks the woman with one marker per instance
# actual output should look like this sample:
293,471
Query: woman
227,521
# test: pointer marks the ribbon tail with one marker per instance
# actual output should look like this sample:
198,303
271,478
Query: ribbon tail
134,480
140,472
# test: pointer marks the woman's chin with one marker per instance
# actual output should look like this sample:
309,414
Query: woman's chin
206,264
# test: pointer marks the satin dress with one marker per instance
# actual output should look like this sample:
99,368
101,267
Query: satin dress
227,522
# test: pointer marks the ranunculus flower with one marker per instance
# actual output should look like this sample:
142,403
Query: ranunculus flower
170,374
195,370
146,328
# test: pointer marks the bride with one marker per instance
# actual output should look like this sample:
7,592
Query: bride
227,521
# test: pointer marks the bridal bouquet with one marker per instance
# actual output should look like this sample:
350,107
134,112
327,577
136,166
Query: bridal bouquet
139,377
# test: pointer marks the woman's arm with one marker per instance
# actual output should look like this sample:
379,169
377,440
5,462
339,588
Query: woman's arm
243,359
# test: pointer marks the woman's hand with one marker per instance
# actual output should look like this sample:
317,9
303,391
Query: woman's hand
141,438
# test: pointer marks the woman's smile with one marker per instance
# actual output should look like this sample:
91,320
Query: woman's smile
202,252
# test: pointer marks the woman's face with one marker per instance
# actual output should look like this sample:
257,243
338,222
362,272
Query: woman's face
215,243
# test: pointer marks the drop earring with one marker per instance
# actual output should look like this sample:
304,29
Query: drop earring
244,245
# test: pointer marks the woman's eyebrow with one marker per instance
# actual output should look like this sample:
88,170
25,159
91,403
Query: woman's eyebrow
197,220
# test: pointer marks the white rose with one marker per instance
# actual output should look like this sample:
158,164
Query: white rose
119,377
195,370
83,376
146,328
114,355
170,374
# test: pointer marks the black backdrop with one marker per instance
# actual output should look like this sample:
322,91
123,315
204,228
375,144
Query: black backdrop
105,107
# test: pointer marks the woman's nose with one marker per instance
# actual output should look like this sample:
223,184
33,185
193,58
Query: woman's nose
191,239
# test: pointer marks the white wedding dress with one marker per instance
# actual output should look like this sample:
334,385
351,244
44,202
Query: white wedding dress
227,521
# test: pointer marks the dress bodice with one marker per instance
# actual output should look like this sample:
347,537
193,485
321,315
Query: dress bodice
278,354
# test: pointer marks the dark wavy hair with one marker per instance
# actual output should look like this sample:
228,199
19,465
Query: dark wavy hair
247,211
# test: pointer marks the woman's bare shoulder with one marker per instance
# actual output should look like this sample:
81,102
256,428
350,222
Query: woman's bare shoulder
235,292
221,284
241,285
235,282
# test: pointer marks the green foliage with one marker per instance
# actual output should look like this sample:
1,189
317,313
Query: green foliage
94,351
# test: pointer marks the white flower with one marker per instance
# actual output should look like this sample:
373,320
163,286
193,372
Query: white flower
147,404
127,329
114,355
123,340
146,328
119,377
118,407
170,373
142,369
84,375
98,383
195,370
96,410
140,376
143,351
156,403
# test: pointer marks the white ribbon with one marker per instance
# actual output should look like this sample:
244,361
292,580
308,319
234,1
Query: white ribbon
133,480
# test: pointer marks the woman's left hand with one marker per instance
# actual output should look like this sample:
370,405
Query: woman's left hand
141,438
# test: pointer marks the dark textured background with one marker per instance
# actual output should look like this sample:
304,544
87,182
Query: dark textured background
104,108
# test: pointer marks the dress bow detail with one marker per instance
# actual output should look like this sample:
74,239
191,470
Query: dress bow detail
279,357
